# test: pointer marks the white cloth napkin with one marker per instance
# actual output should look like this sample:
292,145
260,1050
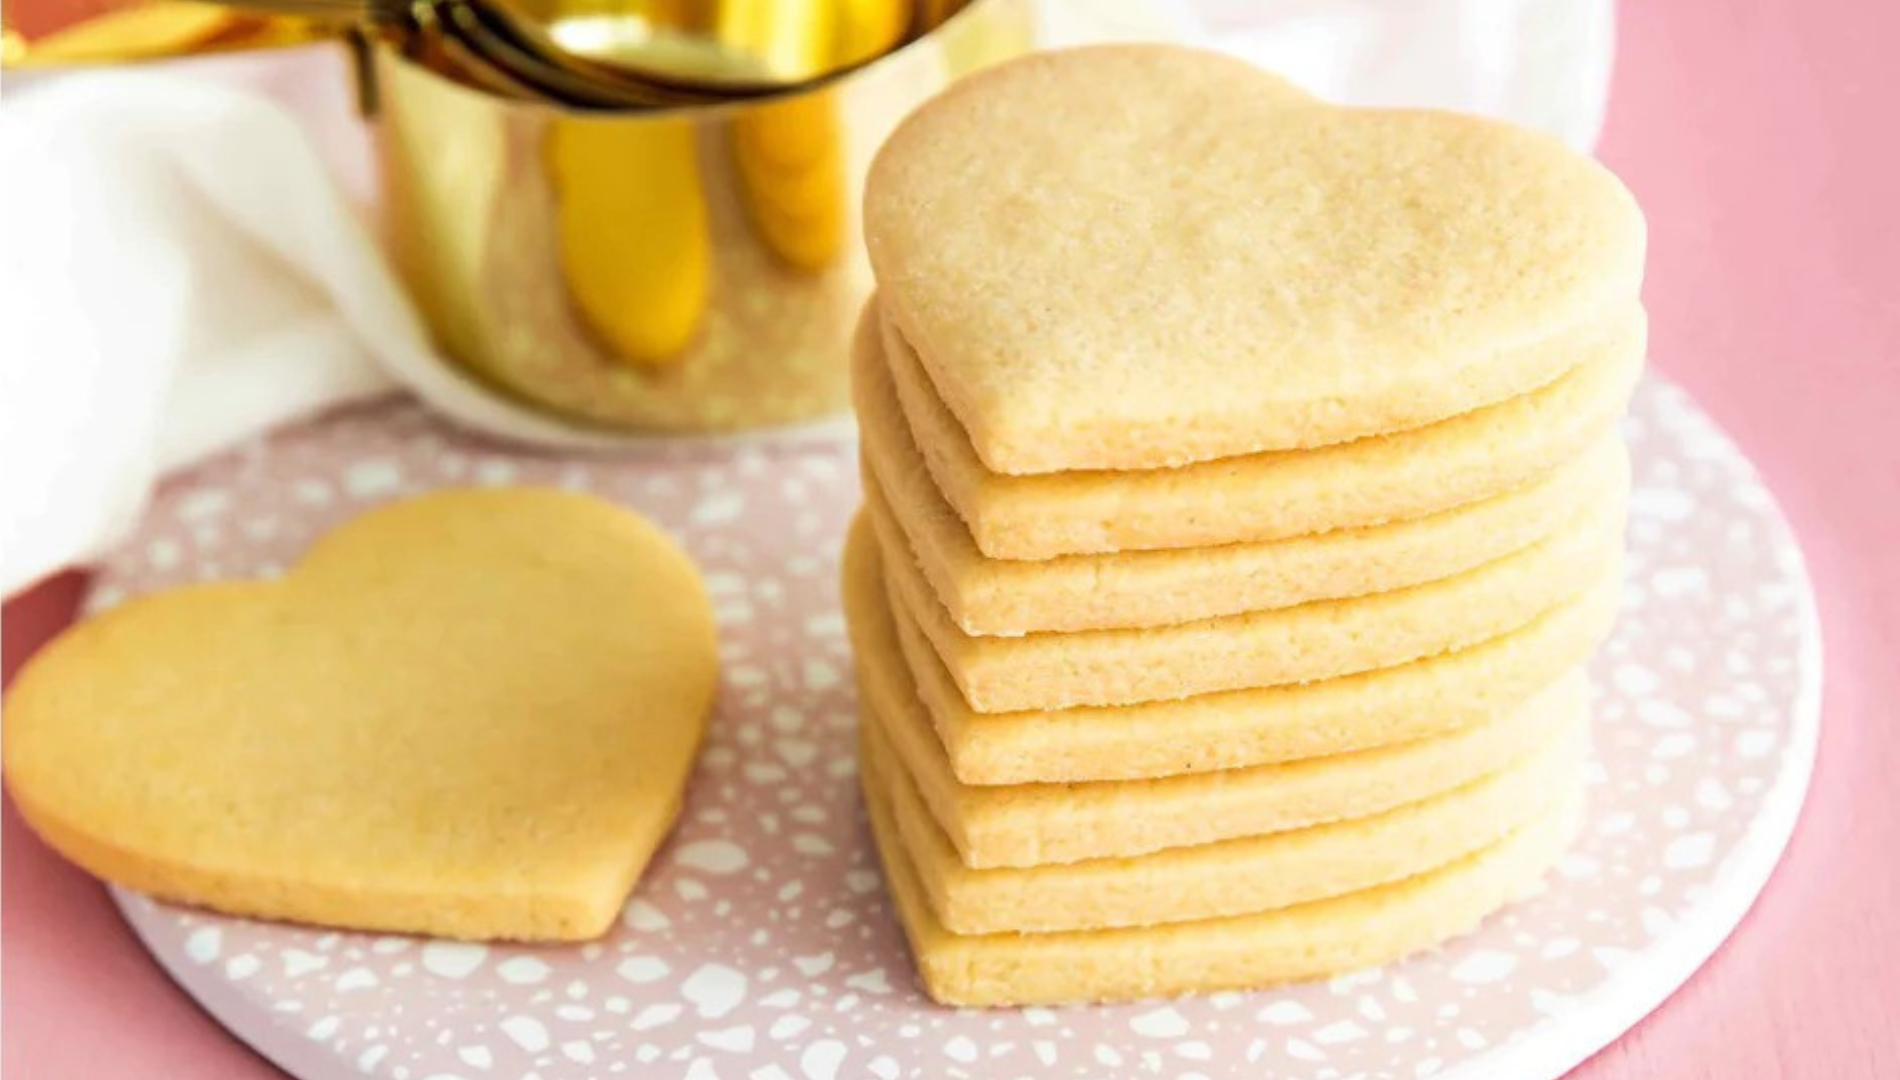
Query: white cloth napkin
181,267
165,288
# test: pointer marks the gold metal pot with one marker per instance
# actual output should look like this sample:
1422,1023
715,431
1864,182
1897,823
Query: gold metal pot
692,269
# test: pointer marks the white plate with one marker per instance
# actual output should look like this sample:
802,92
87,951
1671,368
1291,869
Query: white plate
760,944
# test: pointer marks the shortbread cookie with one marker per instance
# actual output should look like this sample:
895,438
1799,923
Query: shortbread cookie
1240,728
1234,877
1034,824
470,714
1196,265
1321,640
1266,496
1003,597
1313,940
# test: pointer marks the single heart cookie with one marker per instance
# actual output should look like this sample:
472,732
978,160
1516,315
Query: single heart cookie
471,714
1131,257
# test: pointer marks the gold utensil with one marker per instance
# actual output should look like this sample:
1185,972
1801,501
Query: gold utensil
490,33
489,44
595,54
728,47
661,269
648,53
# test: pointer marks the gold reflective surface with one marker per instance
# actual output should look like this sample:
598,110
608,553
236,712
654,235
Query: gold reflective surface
725,42
671,270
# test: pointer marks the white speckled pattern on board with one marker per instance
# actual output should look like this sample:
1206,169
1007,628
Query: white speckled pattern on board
760,945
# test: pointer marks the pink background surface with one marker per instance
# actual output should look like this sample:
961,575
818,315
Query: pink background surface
1759,137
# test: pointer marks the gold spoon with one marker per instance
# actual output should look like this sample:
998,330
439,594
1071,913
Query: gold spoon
490,32
487,47
728,48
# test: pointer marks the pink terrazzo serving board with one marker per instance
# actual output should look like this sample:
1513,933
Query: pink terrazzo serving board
760,945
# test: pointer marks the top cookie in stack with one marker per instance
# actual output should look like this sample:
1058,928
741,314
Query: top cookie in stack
1216,438
1135,258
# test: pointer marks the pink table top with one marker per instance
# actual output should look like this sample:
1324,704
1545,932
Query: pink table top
1758,137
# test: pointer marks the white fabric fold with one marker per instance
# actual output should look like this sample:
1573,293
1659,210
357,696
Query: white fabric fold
178,271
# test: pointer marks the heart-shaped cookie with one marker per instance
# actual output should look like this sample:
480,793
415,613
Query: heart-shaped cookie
1130,257
470,714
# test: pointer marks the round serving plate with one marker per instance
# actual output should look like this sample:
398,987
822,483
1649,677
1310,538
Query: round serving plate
759,945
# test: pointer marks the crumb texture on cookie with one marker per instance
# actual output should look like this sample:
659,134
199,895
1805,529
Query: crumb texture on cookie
1242,728
1311,940
1224,265
469,714
1241,876
1266,496
1301,644
1006,597
1034,824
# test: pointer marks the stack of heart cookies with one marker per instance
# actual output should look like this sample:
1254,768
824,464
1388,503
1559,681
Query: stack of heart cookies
1243,498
